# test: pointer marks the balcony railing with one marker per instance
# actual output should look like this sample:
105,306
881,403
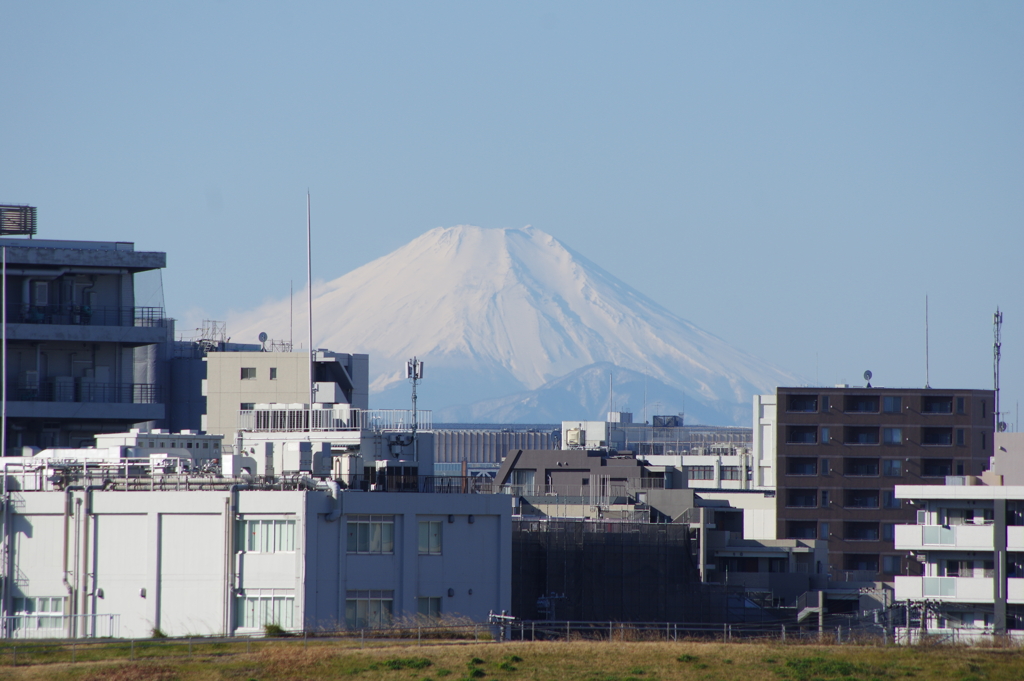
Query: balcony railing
78,390
84,315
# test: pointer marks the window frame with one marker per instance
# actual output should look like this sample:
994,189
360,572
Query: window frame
370,535
431,538
247,374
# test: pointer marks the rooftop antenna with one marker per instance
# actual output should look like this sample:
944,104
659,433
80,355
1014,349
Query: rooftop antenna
611,393
291,313
309,309
414,372
997,345
927,383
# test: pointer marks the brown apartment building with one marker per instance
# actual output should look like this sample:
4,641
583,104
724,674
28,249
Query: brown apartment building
842,450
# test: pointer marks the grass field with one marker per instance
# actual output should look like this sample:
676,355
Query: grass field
577,661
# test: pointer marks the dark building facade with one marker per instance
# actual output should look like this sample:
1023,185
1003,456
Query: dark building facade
591,571
841,452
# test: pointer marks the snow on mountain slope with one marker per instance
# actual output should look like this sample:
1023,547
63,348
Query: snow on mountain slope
500,311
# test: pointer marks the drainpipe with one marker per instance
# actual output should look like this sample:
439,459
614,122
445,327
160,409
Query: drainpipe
335,491
231,513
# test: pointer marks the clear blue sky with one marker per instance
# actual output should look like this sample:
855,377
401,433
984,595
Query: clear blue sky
793,177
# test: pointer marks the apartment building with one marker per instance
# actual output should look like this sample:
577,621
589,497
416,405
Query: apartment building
81,354
842,451
969,539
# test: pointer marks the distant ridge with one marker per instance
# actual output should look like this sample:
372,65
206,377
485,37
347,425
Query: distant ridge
498,313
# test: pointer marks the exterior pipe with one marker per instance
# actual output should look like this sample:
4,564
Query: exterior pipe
335,491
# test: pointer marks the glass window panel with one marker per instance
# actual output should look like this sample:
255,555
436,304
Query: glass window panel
364,537
374,537
353,539
424,537
388,538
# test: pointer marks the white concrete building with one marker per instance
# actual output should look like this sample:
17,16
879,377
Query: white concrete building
238,381
970,539
93,552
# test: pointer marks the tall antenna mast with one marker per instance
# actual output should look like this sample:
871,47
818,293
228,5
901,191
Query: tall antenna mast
611,394
291,314
997,323
414,372
309,309
3,372
927,383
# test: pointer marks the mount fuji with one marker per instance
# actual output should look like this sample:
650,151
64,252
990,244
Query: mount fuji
514,326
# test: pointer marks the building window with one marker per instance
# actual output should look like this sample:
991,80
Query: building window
862,404
888,531
701,472
801,529
860,435
801,466
982,440
865,562
258,609
371,533
428,607
824,498
368,609
960,437
892,436
983,409
861,498
824,436
936,468
273,373
858,467
889,499
860,531
731,473
801,498
823,533
430,537
891,565
937,436
248,373
824,466
266,536
892,404
246,406
824,404
892,468
38,613
961,405
937,404
804,403
806,435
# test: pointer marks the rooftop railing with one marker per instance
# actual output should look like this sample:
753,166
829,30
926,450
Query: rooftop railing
284,419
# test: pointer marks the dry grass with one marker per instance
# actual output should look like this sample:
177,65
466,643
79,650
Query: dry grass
575,661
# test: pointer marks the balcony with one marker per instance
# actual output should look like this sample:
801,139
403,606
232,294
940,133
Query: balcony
953,589
66,397
126,325
941,537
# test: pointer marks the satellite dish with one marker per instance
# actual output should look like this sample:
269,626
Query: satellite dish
867,375
1002,426
263,336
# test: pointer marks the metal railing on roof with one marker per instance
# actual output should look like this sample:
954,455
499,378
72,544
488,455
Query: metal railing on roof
287,420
